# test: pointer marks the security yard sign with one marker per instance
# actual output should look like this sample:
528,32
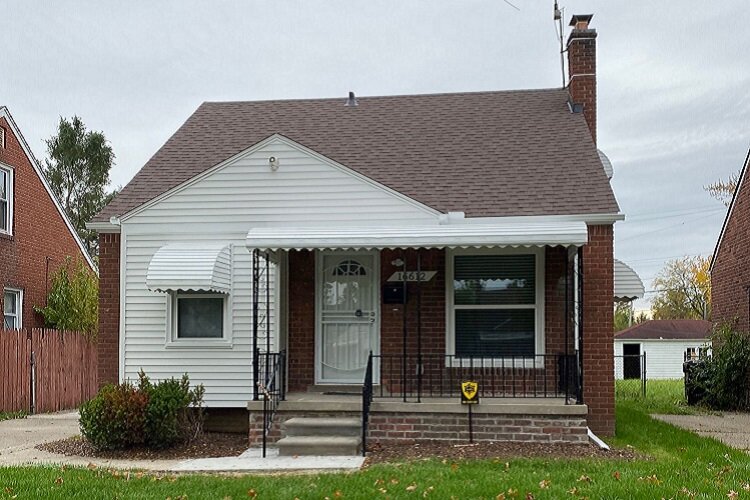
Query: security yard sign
469,393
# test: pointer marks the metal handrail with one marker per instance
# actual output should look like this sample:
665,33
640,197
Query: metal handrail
271,387
367,394
535,376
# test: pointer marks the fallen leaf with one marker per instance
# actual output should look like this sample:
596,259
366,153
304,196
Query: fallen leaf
746,486
584,479
500,496
59,480
544,484
732,494
529,496
616,475
394,481
411,487
454,466
338,494
573,490
252,493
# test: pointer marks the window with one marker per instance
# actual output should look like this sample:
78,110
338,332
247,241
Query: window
6,200
350,268
199,316
495,304
12,309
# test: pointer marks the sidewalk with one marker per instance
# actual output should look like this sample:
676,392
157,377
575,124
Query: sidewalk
19,437
732,429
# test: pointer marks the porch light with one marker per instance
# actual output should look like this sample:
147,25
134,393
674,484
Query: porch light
397,263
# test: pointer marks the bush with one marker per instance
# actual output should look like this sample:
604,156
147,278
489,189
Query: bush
721,382
157,415
115,417
174,413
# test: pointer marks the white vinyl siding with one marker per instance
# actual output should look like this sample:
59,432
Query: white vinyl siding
222,207
664,358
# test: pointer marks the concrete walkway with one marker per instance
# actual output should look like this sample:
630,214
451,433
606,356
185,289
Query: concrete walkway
19,437
732,429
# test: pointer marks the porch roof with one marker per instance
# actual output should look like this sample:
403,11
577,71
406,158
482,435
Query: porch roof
509,234
191,267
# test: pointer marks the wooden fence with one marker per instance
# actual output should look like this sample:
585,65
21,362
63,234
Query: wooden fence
61,364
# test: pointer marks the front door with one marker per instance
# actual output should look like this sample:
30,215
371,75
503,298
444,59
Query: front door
347,330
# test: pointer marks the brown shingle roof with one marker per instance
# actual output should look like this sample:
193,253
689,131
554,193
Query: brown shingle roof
668,329
504,153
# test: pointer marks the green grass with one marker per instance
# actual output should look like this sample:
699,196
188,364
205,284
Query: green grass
676,464
662,396
11,415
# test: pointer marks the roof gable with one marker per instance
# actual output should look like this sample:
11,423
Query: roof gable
511,153
4,113
301,187
741,190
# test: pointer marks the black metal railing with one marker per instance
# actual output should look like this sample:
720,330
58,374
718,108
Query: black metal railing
270,386
366,402
414,377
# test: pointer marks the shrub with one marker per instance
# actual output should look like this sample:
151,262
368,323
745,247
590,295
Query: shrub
174,413
73,300
115,417
721,381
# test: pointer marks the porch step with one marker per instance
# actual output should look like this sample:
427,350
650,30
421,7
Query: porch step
336,389
319,445
342,427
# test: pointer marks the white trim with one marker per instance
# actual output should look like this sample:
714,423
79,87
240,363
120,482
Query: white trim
19,306
172,339
375,328
4,113
103,227
540,303
592,219
10,197
123,291
740,182
259,145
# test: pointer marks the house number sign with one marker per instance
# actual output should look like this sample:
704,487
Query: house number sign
412,276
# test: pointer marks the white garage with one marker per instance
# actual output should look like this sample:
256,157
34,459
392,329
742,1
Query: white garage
665,343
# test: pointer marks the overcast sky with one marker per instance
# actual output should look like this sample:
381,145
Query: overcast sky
674,80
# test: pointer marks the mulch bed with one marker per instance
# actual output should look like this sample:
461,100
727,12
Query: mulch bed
207,445
382,453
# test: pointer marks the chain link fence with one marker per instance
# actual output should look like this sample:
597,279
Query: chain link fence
630,375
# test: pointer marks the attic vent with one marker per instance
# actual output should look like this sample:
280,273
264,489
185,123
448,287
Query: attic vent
2,138
352,100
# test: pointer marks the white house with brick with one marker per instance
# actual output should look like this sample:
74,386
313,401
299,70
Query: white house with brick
360,258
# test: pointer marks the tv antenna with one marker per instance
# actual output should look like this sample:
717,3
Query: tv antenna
559,28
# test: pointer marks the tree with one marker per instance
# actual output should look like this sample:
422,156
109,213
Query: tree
683,289
625,316
723,190
78,173
73,300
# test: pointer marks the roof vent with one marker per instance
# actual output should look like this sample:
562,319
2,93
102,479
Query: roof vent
352,101
574,107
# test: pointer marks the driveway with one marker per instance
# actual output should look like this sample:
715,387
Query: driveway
732,429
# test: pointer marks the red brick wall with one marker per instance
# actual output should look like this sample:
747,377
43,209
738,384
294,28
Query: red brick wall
108,342
730,275
582,73
598,343
39,232
301,340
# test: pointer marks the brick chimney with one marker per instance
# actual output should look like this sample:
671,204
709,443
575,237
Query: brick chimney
582,67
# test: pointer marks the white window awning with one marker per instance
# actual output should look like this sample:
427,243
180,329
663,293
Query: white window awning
510,234
191,267
628,285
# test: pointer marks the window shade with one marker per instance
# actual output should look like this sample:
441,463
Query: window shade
494,279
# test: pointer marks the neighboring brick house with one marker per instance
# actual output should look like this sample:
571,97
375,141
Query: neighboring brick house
35,234
401,244
730,266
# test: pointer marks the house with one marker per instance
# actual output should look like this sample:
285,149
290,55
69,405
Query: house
730,265
36,236
665,343
287,254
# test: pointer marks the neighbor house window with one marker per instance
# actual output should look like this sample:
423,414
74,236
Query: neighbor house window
12,308
199,315
6,200
496,304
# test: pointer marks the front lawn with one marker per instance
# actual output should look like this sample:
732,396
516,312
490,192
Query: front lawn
680,465
11,415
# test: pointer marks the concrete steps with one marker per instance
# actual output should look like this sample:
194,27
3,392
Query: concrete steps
321,437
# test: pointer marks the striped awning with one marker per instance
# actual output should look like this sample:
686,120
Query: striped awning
191,267
628,285
510,234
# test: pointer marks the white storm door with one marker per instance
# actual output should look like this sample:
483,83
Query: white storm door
347,300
